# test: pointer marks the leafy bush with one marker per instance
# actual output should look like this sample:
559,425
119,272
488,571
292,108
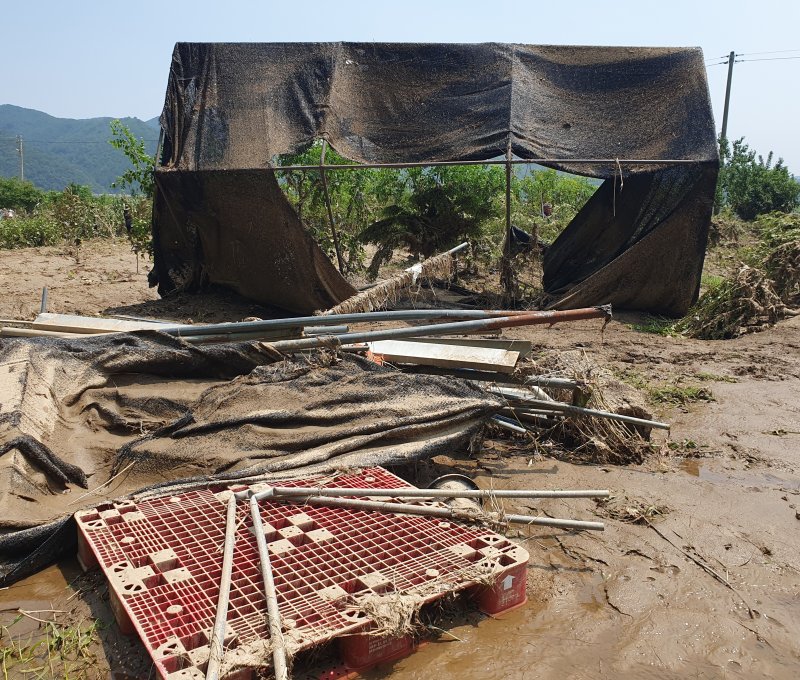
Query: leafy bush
18,195
72,215
26,231
752,186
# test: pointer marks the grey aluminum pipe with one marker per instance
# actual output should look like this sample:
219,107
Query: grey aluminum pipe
539,406
526,319
508,425
456,514
216,644
265,325
280,665
414,492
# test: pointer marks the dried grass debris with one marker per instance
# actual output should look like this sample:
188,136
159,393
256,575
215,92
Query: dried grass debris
745,303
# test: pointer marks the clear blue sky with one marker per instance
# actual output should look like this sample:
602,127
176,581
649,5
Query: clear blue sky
90,58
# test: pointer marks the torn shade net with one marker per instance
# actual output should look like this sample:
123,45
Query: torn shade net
230,109
123,413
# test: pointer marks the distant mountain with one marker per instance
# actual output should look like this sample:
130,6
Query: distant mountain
58,151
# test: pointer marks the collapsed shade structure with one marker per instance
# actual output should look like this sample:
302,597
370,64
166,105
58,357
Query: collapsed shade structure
638,118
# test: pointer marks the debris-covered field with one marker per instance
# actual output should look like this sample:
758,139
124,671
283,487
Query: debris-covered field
697,571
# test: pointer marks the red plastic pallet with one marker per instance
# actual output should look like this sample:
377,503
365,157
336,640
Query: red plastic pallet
163,560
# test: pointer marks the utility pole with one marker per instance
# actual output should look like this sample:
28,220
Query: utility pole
21,153
731,60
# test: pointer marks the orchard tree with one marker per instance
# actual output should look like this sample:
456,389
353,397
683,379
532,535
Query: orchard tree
752,186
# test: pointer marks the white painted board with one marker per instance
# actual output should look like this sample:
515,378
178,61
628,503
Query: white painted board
445,356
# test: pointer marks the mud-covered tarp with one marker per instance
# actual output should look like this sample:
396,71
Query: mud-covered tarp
230,109
148,410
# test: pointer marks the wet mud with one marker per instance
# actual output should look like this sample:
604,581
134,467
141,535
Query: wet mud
707,585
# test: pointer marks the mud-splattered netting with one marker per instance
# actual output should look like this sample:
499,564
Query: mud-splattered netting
221,217
154,411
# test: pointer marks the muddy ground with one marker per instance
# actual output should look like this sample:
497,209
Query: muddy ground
696,576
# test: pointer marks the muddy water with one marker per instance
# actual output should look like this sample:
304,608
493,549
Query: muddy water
629,603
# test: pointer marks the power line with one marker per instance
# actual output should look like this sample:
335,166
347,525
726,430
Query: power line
768,59
749,54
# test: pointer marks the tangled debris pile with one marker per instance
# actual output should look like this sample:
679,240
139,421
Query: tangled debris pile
758,294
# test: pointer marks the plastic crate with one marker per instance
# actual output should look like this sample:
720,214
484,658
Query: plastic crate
163,560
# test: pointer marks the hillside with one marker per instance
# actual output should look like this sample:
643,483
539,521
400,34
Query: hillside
62,150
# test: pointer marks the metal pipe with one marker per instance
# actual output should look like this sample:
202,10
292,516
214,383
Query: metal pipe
216,651
509,425
544,381
185,330
558,407
527,319
495,161
449,513
279,663
528,392
414,492
259,335
43,306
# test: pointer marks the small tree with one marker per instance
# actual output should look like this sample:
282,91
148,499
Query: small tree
138,179
752,186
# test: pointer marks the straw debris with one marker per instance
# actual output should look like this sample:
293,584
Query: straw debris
744,303
389,291
595,440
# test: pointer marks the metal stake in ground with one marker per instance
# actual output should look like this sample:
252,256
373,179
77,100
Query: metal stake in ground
216,651
273,612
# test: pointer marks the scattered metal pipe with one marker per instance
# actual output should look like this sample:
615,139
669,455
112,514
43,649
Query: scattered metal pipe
509,425
216,649
527,392
540,406
414,492
544,381
259,335
525,319
185,330
279,663
457,514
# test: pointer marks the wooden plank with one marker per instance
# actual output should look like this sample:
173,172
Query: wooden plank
8,332
524,347
445,356
70,323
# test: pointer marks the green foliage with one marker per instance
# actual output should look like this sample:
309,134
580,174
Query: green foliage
71,216
657,325
354,196
752,186
679,394
29,231
425,210
18,195
438,207
139,176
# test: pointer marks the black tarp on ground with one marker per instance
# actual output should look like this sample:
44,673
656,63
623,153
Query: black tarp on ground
116,414
232,108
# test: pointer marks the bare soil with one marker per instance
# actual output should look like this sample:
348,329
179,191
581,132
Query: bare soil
697,574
